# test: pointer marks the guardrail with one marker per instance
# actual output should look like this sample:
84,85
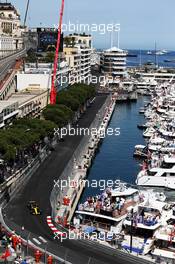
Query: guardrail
13,56
11,185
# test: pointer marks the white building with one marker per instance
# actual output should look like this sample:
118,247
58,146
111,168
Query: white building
39,76
113,63
8,111
27,103
78,49
95,58
10,29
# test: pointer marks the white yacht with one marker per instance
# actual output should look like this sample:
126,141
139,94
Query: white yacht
161,176
148,133
143,223
107,211
140,151
155,144
165,241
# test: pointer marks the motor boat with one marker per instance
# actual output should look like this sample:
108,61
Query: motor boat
142,126
108,210
165,240
140,151
142,110
146,219
149,132
160,174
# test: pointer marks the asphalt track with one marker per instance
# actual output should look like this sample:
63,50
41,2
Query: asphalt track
8,63
39,188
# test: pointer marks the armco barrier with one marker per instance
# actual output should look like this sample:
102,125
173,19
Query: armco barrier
13,56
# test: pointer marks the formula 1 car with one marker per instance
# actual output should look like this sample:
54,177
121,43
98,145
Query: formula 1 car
34,208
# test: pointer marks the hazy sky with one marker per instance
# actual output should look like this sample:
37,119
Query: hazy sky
142,22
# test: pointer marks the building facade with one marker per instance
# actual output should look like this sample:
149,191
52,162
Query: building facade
113,63
78,49
8,111
28,103
39,75
10,29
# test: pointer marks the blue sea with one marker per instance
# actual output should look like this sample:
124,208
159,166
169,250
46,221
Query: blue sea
143,57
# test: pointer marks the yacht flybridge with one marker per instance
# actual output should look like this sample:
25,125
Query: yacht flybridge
108,210
147,219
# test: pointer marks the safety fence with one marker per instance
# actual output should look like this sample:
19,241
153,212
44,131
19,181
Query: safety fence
22,245
67,256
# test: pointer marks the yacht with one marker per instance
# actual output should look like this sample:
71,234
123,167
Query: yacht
107,211
140,151
143,223
160,176
148,133
149,52
165,240
155,144
142,110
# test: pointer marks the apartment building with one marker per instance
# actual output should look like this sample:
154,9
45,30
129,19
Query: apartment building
78,49
10,29
113,63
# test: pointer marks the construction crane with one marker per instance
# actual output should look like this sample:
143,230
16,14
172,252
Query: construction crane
53,89
27,8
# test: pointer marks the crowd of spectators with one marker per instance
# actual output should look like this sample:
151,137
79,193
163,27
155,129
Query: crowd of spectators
11,248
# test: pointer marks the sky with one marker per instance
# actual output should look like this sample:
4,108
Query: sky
141,22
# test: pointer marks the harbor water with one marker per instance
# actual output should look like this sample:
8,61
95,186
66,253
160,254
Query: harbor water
142,57
115,157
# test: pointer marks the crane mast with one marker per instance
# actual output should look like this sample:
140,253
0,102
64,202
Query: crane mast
53,89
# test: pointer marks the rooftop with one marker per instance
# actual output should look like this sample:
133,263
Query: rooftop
114,49
23,97
79,35
7,6
6,103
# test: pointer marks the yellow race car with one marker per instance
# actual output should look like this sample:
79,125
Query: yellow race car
34,208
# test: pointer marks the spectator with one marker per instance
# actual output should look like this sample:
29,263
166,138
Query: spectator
24,261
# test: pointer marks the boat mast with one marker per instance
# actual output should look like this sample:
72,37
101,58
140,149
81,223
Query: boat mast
156,64
140,58
118,38
27,8
112,38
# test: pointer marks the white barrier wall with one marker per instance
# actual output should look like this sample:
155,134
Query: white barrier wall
31,80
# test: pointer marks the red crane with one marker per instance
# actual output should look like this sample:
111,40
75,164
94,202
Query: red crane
53,89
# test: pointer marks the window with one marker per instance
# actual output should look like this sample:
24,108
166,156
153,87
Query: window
151,173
